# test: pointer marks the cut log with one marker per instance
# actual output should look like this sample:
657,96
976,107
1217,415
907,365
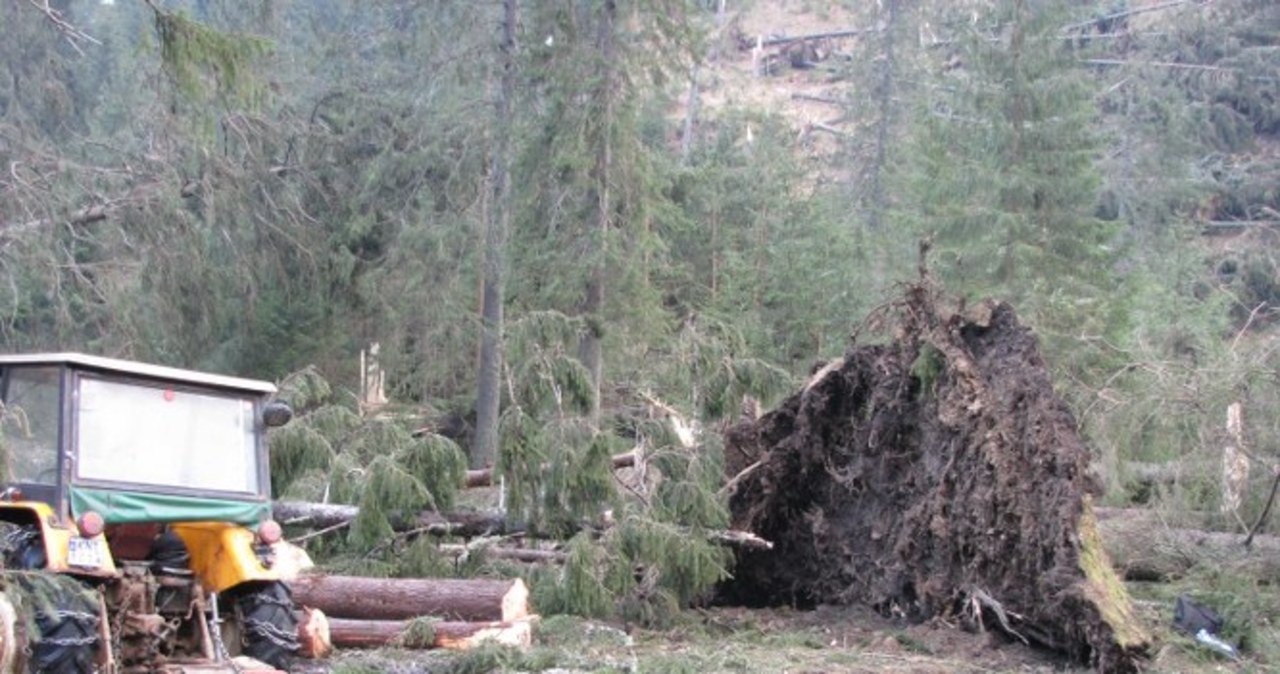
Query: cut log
405,598
313,634
450,635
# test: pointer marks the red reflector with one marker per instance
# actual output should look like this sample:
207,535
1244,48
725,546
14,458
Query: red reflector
90,524
169,395
270,532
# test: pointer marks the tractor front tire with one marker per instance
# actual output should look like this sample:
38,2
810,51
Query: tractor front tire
65,612
268,625
67,628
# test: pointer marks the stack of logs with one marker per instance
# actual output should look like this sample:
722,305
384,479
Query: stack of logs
357,612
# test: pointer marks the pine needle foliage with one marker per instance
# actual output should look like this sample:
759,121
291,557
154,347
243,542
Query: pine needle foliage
333,454
39,592
711,353
548,379
437,463
557,474
305,389
641,570
1005,182
203,62
298,450
417,633
578,586
391,492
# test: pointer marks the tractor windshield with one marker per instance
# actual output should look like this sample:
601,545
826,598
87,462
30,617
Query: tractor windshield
29,425
158,437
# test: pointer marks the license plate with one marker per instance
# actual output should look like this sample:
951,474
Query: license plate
84,552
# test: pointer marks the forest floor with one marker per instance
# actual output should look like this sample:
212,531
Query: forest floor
826,640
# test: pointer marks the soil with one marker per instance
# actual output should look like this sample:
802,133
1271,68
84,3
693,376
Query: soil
935,477
890,645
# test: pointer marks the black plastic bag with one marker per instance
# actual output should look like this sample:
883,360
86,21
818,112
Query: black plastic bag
1191,618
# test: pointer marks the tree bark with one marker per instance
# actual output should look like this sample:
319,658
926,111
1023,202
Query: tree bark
885,93
464,524
527,555
1144,548
451,635
852,32
590,348
483,477
406,598
484,451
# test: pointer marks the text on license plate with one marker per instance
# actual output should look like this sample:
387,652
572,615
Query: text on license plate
84,552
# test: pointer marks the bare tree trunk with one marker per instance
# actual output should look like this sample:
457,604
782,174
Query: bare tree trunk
885,94
691,109
590,350
484,450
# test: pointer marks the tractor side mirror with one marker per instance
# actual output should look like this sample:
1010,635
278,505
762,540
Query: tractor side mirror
276,414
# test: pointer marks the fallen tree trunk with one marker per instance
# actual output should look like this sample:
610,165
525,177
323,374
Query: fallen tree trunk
1144,548
937,475
528,555
483,477
460,523
466,524
404,598
450,635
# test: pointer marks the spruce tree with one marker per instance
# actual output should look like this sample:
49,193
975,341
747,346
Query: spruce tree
1005,181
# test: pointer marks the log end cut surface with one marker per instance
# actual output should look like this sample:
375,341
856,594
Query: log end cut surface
939,475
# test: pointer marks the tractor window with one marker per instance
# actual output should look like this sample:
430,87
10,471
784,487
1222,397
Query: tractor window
29,425
166,437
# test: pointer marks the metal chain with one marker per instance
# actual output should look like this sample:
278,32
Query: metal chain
70,641
277,636
63,613
214,625
88,619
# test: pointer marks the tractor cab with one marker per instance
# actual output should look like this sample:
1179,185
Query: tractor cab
133,442
117,473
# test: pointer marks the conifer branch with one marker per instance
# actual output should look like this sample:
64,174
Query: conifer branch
1127,13
65,27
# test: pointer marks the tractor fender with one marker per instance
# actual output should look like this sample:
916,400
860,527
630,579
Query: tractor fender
222,554
56,536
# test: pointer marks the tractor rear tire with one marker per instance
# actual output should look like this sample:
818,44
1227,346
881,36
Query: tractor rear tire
268,624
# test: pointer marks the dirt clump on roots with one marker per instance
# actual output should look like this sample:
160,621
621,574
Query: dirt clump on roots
936,476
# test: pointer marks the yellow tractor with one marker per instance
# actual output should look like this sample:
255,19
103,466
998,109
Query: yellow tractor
148,486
